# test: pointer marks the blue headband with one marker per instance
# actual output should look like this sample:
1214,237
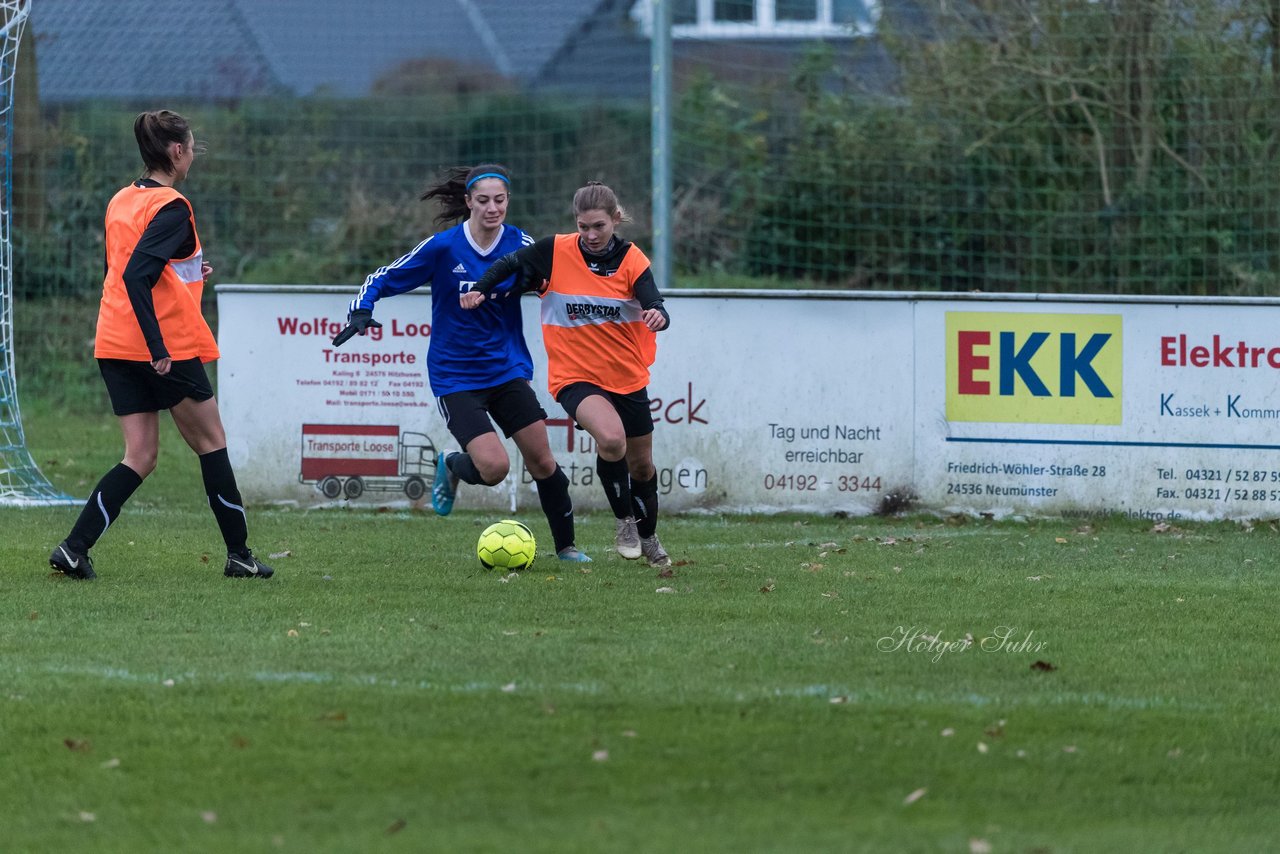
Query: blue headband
504,178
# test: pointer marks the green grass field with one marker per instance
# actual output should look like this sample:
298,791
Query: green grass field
779,691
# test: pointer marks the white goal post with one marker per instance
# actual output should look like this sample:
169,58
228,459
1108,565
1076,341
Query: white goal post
22,484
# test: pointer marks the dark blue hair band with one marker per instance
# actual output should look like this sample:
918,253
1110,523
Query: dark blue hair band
504,178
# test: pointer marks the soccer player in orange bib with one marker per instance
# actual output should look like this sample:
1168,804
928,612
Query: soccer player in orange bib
600,311
152,344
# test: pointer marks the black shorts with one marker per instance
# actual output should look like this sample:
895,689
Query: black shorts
633,408
512,405
136,387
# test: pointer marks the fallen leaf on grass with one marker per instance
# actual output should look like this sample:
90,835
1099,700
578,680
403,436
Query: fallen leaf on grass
768,588
209,816
1043,666
1059,539
665,590
204,558
600,756
334,717
396,826
982,747
111,763
948,732
835,701
913,797
509,688
667,573
86,816
79,745
34,615
278,555
979,846
1070,748
293,633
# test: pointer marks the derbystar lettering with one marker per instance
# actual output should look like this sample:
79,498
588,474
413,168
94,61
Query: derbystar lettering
586,309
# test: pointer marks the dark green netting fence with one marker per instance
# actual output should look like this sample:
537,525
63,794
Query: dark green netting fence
1103,147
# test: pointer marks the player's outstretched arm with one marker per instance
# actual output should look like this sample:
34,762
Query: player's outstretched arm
359,322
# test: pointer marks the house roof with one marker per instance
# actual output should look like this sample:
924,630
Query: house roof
235,48
340,47
121,49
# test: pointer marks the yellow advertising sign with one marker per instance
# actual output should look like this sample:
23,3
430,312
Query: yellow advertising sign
1034,368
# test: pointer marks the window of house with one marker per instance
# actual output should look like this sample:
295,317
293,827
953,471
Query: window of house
765,18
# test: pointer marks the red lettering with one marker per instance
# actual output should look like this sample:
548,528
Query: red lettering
566,423
409,330
1222,355
969,361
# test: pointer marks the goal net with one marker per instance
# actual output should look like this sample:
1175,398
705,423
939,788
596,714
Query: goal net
21,481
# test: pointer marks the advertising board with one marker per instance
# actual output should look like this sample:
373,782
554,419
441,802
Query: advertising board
806,401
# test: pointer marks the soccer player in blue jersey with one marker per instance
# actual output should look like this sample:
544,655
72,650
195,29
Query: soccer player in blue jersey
478,363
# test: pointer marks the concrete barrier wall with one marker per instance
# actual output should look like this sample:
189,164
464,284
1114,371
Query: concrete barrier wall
809,401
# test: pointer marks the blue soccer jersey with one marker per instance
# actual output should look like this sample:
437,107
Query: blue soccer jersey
468,349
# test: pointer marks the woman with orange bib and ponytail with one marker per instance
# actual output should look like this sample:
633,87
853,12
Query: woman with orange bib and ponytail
600,311
152,344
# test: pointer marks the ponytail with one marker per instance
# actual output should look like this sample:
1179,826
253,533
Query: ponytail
155,130
452,191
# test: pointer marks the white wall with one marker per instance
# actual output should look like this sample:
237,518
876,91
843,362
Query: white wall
824,402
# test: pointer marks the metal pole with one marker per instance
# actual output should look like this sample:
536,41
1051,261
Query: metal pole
660,101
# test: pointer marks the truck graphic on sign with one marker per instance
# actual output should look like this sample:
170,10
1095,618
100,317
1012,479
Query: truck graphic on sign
351,459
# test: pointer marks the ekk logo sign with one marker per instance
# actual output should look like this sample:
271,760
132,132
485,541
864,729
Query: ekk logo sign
1034,368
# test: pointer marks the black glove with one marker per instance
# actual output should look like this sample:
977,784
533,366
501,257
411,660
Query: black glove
358,322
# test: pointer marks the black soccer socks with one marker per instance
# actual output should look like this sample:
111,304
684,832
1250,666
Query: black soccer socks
103,506
644,500
553,495
225,500
617,485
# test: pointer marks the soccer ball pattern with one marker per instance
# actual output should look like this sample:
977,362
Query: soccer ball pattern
507,545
